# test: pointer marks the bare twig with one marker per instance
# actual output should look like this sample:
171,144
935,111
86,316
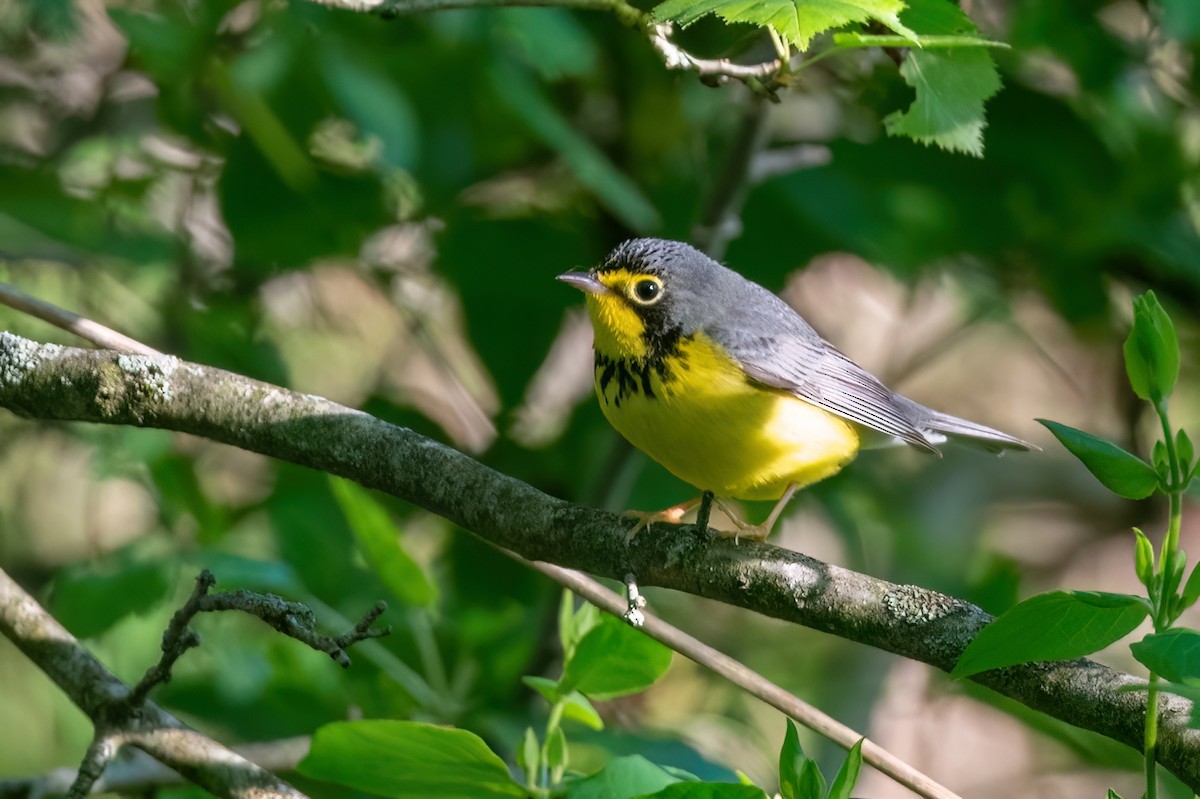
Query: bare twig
762,76
293,619
748,680
74,323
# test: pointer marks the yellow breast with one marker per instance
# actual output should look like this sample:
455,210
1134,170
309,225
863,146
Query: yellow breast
697,414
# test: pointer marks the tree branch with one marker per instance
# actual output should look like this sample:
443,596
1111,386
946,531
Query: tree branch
97,692
763,78
52,382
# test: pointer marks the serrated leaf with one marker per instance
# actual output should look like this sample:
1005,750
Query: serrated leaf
1173,654
408,759
622,778
951,85
379,541
847,775
1143,558
799,775
707,790
1121,472
1059,625
1151,350
797,21
612,660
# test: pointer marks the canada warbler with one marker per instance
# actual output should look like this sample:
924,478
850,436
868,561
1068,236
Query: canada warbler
726,386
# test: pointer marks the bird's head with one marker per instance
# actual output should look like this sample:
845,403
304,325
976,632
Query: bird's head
644,292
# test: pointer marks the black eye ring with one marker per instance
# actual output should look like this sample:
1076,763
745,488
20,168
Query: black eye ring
647,291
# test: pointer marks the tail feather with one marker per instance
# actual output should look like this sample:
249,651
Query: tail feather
972,433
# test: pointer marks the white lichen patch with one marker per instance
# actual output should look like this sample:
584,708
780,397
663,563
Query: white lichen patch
150,374
917,605
20,356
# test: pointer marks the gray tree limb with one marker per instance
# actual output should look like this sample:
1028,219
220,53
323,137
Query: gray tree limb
51,382
103,698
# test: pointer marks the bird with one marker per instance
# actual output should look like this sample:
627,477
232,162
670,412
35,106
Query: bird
726,386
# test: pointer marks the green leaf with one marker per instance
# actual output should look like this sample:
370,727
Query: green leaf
1121,472
1191,590
613,659
707,790
529,756
1113,794
797,21
799,776
1185,452
380,543
1059,625
557,755
847,775
91,597
1143,558
408,759
1162,463
623,778
1173,654
615,190
575,705
952,86
574,623
1151,350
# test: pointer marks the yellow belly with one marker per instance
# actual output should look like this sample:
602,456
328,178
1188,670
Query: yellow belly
709,426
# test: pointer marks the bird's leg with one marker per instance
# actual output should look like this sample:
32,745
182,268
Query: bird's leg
672,514
757,532
706,501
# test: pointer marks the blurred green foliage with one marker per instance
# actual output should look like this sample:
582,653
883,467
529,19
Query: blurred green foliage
376,208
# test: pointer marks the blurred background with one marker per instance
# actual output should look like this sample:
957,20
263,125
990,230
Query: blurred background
374,210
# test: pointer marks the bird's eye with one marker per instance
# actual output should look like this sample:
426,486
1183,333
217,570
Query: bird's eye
647,291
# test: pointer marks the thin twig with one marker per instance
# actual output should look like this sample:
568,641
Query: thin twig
73,323
748,680
675,57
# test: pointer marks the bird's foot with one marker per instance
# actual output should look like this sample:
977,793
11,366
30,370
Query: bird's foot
643,519
743,528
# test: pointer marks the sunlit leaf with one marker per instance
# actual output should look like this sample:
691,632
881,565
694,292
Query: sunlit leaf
1054,626
622,778
379,540
798,21
614,659
408,759
1173,654
1121,472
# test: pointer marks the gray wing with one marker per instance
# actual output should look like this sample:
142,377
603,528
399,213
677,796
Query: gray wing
794,358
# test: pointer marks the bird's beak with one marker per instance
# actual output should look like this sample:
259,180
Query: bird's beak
584,281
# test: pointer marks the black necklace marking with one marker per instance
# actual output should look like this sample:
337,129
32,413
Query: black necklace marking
633,374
